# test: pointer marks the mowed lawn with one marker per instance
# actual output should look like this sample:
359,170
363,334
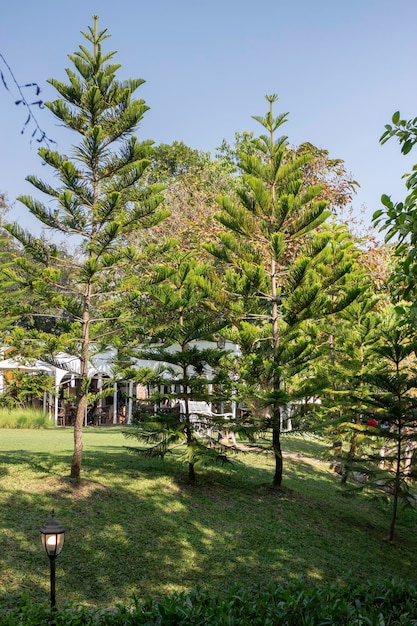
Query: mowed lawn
135,527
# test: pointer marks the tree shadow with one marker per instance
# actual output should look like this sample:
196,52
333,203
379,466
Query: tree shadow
136,527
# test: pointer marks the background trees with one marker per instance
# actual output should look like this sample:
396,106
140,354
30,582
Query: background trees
181,331
390,411
343,372
193,181
399,219
279,266
24,388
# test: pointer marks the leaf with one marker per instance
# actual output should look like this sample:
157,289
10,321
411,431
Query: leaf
386,201
4,81
407,146
396,117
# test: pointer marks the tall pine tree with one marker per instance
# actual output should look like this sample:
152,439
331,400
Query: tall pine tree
100,198
275,256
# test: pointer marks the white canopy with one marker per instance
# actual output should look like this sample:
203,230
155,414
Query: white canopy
14,364
100,364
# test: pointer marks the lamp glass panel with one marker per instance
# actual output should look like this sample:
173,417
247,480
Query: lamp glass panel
53,543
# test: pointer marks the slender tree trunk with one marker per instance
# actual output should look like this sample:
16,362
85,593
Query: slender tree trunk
78,438
397,486
276,384
276,444
351,454
276,409
189,436
191,472
188,426
82,389
393,514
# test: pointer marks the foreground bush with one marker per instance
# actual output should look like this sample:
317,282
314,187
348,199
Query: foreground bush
296,603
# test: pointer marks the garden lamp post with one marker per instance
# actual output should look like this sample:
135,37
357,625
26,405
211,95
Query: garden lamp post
53,535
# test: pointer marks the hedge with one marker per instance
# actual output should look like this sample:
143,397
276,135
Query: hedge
295,603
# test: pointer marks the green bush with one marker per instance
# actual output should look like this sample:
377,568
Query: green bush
24,418
296,603
24,387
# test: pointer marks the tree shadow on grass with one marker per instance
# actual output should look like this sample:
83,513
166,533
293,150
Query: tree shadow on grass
136,527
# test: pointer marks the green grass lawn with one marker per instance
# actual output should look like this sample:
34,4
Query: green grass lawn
136,527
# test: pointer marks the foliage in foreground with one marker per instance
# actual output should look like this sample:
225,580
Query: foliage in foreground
379,603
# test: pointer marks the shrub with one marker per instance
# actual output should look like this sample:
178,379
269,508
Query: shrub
295,603
23,388
24,418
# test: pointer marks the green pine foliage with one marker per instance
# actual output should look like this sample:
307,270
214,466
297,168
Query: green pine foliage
347,356
389,415
100,198
181,331
276,250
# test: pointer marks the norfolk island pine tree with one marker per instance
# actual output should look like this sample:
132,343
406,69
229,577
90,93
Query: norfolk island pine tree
274,254
100,199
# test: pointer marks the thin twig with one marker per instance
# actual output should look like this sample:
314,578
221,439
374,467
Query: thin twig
31,116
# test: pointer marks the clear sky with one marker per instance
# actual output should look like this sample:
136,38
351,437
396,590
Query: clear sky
340,67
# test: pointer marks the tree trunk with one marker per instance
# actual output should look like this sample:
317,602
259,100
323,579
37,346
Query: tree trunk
393,514
276,409
82,389
189,436
78,438
397,484
188,427
351,454
276,444
191,472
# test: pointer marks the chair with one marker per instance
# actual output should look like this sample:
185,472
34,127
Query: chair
61,417
197,410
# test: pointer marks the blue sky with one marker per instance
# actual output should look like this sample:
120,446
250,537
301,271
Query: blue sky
340,68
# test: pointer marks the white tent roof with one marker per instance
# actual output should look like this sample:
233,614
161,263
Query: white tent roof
24,366
100,363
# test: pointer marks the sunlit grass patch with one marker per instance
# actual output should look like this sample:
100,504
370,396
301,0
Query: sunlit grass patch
136,526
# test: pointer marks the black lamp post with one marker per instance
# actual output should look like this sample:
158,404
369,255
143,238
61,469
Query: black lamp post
53,536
